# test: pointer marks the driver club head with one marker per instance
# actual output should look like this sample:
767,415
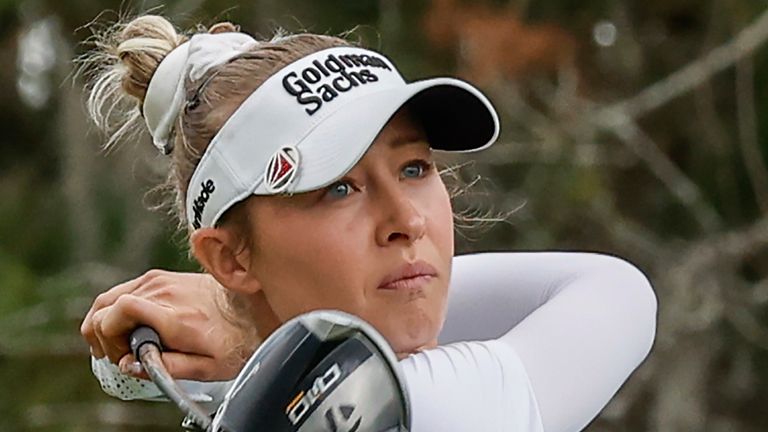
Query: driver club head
321,371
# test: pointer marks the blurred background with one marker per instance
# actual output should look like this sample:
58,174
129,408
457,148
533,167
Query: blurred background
635,128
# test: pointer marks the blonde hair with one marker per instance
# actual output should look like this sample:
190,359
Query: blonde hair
118,71
125,58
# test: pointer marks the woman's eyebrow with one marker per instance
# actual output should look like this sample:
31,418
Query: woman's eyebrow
408,139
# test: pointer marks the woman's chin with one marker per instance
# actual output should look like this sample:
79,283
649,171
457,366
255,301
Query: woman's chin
408,336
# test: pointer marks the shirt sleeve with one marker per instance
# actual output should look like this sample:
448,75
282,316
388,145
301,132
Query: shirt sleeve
470,386
579,323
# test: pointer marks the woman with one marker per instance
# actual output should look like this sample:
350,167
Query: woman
303,168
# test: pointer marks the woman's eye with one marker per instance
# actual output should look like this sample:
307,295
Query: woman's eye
416,169
339,190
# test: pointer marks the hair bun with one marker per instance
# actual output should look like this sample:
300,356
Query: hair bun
224,27
142,44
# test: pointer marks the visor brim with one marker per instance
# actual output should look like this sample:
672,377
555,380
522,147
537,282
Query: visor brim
455,115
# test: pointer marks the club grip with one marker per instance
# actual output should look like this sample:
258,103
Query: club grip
144,335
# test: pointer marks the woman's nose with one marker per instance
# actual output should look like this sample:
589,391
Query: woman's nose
402,222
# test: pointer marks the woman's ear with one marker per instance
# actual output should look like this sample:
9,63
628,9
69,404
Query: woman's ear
223,254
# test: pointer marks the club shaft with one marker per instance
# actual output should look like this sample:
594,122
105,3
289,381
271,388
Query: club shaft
151,359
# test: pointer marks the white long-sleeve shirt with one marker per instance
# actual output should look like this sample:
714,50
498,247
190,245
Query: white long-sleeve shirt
533,341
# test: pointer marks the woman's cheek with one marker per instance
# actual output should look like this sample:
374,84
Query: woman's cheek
441,220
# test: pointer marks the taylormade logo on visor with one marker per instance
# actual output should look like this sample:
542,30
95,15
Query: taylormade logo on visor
337,76
198,206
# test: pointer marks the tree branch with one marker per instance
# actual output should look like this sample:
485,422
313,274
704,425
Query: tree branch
679,184
696,72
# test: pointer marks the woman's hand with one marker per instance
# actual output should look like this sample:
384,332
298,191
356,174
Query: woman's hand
200,344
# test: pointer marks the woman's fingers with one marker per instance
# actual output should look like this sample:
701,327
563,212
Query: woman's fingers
107,299
182,308
114,324
180,366
93,337
193,367
129,365
181,328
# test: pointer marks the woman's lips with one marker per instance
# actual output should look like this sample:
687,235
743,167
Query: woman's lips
409,276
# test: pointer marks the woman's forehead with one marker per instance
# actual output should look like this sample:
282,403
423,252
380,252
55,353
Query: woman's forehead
397,137
400,130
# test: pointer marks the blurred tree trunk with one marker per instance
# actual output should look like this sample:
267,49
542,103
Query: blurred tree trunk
79,173
681,388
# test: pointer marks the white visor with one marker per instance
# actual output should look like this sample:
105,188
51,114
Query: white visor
307,125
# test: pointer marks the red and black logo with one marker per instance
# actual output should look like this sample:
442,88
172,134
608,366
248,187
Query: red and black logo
281,169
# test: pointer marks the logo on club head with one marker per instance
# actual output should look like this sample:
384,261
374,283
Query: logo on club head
281,169
342,418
